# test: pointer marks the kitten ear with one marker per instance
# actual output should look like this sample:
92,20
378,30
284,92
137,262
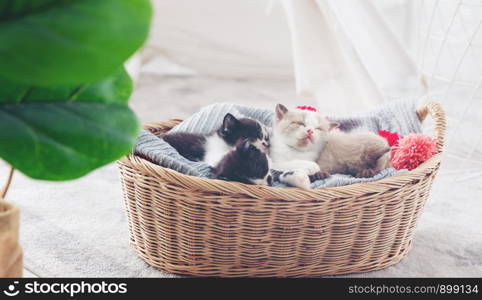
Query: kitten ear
281,110
229,122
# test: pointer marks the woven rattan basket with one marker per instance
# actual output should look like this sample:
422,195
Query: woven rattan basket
204,227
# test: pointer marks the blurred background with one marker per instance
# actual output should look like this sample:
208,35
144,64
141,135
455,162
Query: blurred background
342,56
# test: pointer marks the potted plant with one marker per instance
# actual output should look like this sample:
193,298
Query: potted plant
10,251
64,93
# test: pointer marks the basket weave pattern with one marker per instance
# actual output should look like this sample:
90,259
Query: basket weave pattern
204,227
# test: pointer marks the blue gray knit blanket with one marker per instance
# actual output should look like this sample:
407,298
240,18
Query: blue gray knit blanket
397,116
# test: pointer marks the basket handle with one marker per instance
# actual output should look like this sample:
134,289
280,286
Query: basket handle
438,115
159,128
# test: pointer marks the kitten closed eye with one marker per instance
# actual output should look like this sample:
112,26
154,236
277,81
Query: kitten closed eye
298,123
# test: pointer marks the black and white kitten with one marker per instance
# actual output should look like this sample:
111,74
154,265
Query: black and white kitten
212,148
245,164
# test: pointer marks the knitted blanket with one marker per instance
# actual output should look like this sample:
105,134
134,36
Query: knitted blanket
397,116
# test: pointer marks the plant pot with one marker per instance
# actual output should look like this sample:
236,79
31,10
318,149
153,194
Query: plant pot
11,256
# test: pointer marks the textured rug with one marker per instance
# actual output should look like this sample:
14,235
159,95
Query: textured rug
79,228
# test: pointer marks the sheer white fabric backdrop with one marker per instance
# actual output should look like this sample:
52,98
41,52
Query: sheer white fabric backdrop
346,66
451,59
346,55
223,38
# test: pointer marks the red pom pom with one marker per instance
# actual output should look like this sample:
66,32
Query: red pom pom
412,150
305,107
391,137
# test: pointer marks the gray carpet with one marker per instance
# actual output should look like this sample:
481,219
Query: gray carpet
79,228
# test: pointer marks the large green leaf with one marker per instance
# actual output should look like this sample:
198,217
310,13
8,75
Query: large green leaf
114,89
47,42
72,131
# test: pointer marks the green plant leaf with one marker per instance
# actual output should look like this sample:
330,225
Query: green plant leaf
116,88
61,133
46,42
61,141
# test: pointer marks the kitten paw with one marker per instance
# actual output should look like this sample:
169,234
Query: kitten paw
297,179
312,168
318,176
367,173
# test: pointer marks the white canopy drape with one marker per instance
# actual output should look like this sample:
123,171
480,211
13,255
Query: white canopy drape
343,53
346,56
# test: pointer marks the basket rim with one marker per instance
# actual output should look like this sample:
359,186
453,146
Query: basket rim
378,186
290,193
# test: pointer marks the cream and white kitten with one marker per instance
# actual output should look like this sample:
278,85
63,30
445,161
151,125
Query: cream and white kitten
303,137
295,145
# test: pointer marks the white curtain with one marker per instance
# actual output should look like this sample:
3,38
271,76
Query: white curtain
343,53
233,38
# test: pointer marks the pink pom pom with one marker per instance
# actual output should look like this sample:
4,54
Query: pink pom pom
412,150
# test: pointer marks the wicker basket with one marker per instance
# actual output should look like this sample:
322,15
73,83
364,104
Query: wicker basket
204,227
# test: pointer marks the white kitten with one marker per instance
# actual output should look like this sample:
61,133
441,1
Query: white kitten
302,138
295,145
